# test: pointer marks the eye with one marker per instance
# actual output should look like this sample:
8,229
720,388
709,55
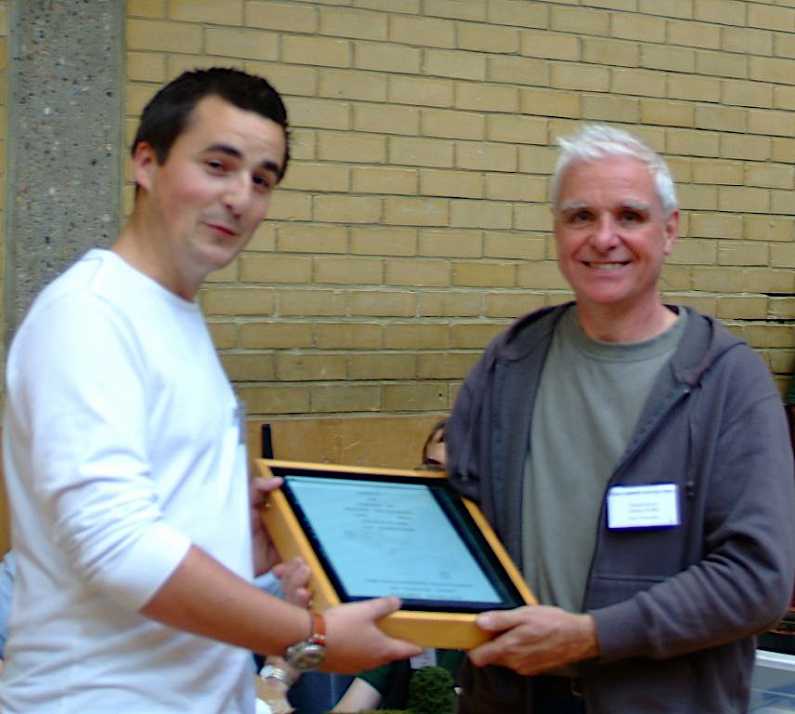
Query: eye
262,182
215,166
582,215
630,217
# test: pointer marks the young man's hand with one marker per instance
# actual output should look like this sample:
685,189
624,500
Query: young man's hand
264,552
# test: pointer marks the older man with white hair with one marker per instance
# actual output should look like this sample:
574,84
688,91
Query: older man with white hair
634,458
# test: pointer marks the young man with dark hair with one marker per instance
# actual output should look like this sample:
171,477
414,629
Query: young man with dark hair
124,446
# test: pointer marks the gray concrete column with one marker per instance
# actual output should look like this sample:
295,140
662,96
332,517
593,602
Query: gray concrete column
64,138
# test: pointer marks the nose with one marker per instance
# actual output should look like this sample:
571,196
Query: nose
605,234
238,193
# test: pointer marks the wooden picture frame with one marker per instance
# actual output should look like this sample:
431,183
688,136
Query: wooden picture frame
428,621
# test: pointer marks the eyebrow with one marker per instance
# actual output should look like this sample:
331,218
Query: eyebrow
235,153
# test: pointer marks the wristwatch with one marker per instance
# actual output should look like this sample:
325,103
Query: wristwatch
309,653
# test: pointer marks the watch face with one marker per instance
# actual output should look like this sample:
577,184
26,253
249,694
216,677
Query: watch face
306,655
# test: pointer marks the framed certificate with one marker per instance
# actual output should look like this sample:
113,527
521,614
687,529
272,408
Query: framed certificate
370,532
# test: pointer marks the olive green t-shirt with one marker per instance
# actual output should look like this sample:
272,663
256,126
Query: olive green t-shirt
588,403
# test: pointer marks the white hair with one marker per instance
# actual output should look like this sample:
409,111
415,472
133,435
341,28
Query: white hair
599,141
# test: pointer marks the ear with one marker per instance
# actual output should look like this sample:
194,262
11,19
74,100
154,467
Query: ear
144,163
671,232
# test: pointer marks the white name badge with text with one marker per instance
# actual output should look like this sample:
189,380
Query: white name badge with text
651,506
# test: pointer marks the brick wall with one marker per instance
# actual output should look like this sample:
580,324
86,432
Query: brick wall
413,224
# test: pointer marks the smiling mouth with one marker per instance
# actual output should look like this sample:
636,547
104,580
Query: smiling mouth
222,229
605,266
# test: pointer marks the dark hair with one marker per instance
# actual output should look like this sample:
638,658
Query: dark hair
166,115
440,426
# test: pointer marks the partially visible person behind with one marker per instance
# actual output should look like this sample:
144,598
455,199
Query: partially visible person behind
125,452
633,457
387,687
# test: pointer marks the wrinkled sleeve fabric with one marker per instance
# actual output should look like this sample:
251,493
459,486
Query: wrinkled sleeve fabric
79,393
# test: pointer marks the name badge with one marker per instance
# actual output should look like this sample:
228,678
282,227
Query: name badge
426,659
650,506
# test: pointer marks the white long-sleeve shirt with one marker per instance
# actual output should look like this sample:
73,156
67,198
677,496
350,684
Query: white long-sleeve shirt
123,446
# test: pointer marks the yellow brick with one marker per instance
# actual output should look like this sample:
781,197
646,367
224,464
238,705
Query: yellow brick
305,176
319,113
501,68
453,243
306,303
275,400
513,304
603,51
742,307
714,171
717,280
675,277
770,335
541,275
474,335
416,397
422,31
412,6
516,187
347,209
580,77
453,124
782,150
782,202
463,184
298,80
385,57
631,26
769,175
517,129
606,107
251,44
383,240
782,308
420,152
533,217
721,118
382,365
305,238
346,335
347,270
725,12
316,50
355,148
362,24
177,64
310,367
486,156
692,143
281,16
146,8
716,225
698,198
470,10
291,206
351,84
275,335
550,45
768,228
550,103
783,98
247,367
722,64
746,41
681,168
769,69
782,256
163,36
748,94
756,148
385,179
765,121
238,301
518,13
783,45
229,274
739,199
146,67
224,334
227,13
580,21
418,273
704,89
513,245
638,81
487,38
345,398
671,8
740,253
421,91
768,17
666,113
453,63
672,59
386,119
138,95
450,304
478,95
480,214
382,303
446,365
694,34
265,268
411,211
